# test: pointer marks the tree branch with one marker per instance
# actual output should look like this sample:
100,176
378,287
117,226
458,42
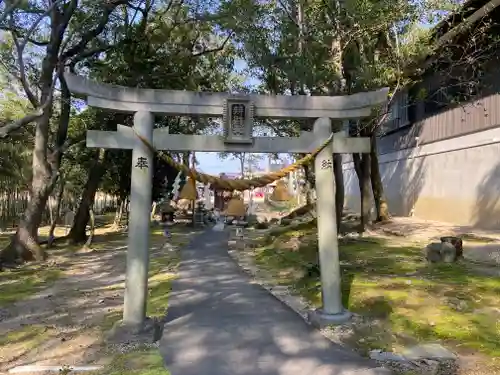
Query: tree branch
91,34
29,40
216,49
35,115
87,54
22,69
62,130
37,21
7,128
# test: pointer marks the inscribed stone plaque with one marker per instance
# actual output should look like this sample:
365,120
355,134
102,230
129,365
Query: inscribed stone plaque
238,120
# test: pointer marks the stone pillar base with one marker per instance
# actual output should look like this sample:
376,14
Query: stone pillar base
319,319
149,331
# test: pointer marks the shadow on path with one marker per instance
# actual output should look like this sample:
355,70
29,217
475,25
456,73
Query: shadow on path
218,323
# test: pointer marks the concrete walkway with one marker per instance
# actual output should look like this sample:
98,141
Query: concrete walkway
221,324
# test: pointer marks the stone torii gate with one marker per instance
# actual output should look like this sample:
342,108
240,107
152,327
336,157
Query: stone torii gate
238,113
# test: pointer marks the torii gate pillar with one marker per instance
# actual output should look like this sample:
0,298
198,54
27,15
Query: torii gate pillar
332,311
141,182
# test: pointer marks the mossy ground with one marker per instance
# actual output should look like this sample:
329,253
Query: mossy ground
163,264
387,280
29,335
143,361
16,285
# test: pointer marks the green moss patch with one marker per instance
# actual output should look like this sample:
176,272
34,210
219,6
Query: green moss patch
388,282
21,283
139,362
29,336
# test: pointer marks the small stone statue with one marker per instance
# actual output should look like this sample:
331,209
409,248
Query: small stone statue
457,242
440,252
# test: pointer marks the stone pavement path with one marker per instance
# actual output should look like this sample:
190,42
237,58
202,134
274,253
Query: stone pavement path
218,323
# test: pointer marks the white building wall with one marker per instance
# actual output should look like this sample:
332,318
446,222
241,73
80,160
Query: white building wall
455,180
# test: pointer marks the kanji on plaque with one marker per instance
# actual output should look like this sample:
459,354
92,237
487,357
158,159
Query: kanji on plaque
142,163
326,164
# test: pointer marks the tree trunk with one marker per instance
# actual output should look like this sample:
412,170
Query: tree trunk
24,244
78,232
376,180
127,211
365,191
92,227
242,165
338,174
56,215
339,188
362,168
119,214
309,183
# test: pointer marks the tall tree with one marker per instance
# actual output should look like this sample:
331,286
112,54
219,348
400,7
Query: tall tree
47,37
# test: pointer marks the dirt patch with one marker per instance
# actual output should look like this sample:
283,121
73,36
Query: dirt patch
481,248
414,228
64,324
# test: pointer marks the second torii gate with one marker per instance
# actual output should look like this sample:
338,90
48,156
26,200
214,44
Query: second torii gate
238,113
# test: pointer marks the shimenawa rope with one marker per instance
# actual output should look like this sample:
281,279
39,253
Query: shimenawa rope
240,185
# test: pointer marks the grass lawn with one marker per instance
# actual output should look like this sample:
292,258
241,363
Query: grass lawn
388,281
20,283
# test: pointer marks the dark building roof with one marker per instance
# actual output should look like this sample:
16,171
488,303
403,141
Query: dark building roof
467,9
454,19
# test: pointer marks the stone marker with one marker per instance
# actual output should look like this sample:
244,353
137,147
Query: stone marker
457,242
